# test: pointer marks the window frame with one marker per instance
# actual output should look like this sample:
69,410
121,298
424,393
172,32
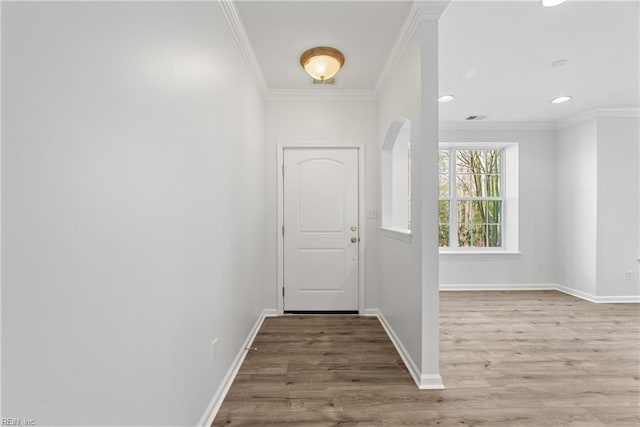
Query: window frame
508,197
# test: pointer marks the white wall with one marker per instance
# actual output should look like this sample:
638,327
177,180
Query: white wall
132,210
537,224
320,122
598,207
618,212
408,265
400,261
428,169
576,157
579,182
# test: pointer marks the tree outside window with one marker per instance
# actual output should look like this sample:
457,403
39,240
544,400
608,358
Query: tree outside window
471,202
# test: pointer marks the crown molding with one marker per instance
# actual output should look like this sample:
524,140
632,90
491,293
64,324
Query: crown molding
618,112
399,46
419,11
576,118
320,94
242,39
430,10
596,113
488,126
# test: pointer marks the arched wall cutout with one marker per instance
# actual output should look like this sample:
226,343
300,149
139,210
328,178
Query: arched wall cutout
395,175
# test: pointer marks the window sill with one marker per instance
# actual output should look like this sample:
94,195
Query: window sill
397,233
479,252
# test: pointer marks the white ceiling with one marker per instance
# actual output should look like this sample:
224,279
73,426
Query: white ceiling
280,31
494,56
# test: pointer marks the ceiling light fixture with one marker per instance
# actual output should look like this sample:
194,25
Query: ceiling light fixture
322,62
446,98
561,99
551,3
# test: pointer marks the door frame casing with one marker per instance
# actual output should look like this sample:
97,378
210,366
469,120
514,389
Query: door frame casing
280,214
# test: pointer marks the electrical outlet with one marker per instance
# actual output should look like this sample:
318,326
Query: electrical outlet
629,274
540,267
212,350
371,213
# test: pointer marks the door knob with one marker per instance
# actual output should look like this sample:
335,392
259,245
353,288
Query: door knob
354,239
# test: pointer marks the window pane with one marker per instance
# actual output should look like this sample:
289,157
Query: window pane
494,235
463,186
443,185
493,185
443,161
479,212
478,162
443,235
478,235
493,161
443,211
464,212
464,236
463,161
477,185
477,176
494,214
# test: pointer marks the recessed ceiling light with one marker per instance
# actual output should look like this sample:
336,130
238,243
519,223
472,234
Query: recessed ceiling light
561,99
446,98
551,3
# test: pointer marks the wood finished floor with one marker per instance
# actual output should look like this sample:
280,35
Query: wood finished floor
539,358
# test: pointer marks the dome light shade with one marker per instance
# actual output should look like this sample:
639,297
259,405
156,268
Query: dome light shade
551,3
322,63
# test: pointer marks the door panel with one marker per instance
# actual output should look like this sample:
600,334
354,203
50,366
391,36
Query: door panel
322,269
320,221
321,202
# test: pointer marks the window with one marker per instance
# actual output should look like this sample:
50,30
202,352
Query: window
396,182
475,197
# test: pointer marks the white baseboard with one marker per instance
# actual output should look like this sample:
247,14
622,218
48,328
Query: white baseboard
270,312
404,354
599,299
374,312
576,293
500,287
431,382
423,381
210,413
542,287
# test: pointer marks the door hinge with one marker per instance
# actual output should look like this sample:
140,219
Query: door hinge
283,169
283,230
283,292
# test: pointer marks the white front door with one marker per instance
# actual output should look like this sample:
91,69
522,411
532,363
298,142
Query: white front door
321,229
